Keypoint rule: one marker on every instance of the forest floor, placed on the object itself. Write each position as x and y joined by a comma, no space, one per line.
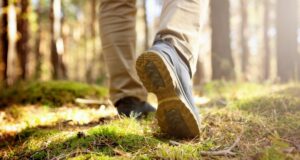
240,121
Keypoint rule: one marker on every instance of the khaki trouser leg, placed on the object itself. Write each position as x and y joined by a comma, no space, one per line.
118,35
180,24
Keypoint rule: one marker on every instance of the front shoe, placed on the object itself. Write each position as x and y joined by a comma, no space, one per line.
164,73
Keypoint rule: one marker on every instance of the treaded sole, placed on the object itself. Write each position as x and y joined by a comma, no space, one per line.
173,114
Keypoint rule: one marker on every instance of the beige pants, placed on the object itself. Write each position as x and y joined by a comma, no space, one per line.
180,24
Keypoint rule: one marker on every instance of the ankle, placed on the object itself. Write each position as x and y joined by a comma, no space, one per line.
174,52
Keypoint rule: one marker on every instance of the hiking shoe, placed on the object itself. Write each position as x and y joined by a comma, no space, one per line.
164,73
132,106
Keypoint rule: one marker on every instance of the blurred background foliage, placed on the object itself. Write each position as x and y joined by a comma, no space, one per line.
241,40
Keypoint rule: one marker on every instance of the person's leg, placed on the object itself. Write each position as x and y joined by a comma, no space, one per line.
166,68
180,24
118,35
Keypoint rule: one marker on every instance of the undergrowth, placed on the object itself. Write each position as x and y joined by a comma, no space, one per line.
266,118
52,93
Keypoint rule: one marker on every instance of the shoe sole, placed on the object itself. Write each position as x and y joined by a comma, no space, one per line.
173,115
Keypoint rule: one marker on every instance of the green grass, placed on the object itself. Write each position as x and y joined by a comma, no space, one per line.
52,93
266,117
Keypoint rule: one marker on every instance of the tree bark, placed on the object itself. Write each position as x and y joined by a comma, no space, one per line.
38,53
266,39
23,30
244,37
198,79
90,66
4,39
93,25
1,30
222,61
57,44
146,25
287,54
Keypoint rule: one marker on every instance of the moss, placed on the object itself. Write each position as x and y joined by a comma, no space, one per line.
52,93
233,90
39,155
102,141
275,151
92,156
177,152
267,105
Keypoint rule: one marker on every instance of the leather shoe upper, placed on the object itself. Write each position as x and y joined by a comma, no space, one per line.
132,106
181,70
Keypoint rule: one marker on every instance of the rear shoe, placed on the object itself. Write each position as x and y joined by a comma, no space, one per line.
132,106
164,73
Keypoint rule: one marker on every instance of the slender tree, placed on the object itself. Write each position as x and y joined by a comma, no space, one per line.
198,79
13,69
4,39
23,41
244,37
146,25
287,54
38,53
266,39
0,41
93,23
222,61
57,44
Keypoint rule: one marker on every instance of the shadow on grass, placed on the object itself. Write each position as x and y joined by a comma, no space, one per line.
280,110
57,127
286,100
110,140
293,91
103,141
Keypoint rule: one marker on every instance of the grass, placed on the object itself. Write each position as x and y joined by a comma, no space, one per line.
51,93
265,117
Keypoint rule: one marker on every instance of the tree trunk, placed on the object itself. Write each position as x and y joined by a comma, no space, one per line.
1,30
38,54
4,40
23,30
13,68
244,37
93,25
90,66
266,39
146,25
222,61
198,79
63,40
57,44
287,56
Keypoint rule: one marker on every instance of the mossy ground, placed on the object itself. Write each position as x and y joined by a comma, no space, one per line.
51,93
265,117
